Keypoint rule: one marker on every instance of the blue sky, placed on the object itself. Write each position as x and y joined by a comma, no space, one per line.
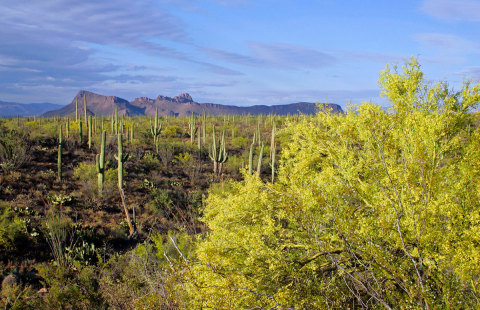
239,52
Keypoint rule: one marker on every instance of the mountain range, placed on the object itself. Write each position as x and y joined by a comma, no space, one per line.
12,109
181,105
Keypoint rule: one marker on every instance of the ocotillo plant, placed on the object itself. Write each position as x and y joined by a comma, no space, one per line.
156,130
100,163
121,159
89,131
59,161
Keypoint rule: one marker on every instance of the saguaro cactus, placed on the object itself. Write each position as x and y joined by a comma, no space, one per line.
76,109
59,161
250,157
67,127
121,159
259,165
272,152
85,107
100,163
89,131
156,130
80,132
218,154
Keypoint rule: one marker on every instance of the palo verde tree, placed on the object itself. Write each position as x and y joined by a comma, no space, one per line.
371,209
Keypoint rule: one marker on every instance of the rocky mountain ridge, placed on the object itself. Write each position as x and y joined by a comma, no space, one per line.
181,105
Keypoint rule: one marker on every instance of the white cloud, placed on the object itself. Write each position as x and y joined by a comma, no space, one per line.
453,10
447,42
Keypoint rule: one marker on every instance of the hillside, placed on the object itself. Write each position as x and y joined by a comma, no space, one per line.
12,109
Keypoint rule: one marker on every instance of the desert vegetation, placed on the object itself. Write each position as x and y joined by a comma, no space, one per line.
364,209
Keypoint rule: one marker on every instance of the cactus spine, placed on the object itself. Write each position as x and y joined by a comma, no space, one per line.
100,163
59,161
156,130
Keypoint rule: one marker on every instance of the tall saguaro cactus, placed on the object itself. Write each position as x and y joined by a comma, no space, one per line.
259,165
272,152
156,129
89,131
218,154
80,131
250,157
121,159
67,127
59,161
100,163
76,109
85,107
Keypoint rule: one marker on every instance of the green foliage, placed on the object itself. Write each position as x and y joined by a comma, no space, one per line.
14,150
11,227
240,142
149,276
370,209
150,161
68,290
172,131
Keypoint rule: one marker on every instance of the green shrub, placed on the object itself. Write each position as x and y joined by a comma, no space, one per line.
172,131
12,227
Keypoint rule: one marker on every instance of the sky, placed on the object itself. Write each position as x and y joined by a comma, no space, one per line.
240,52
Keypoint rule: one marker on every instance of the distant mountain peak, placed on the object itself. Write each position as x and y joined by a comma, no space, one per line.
181,105
183,98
